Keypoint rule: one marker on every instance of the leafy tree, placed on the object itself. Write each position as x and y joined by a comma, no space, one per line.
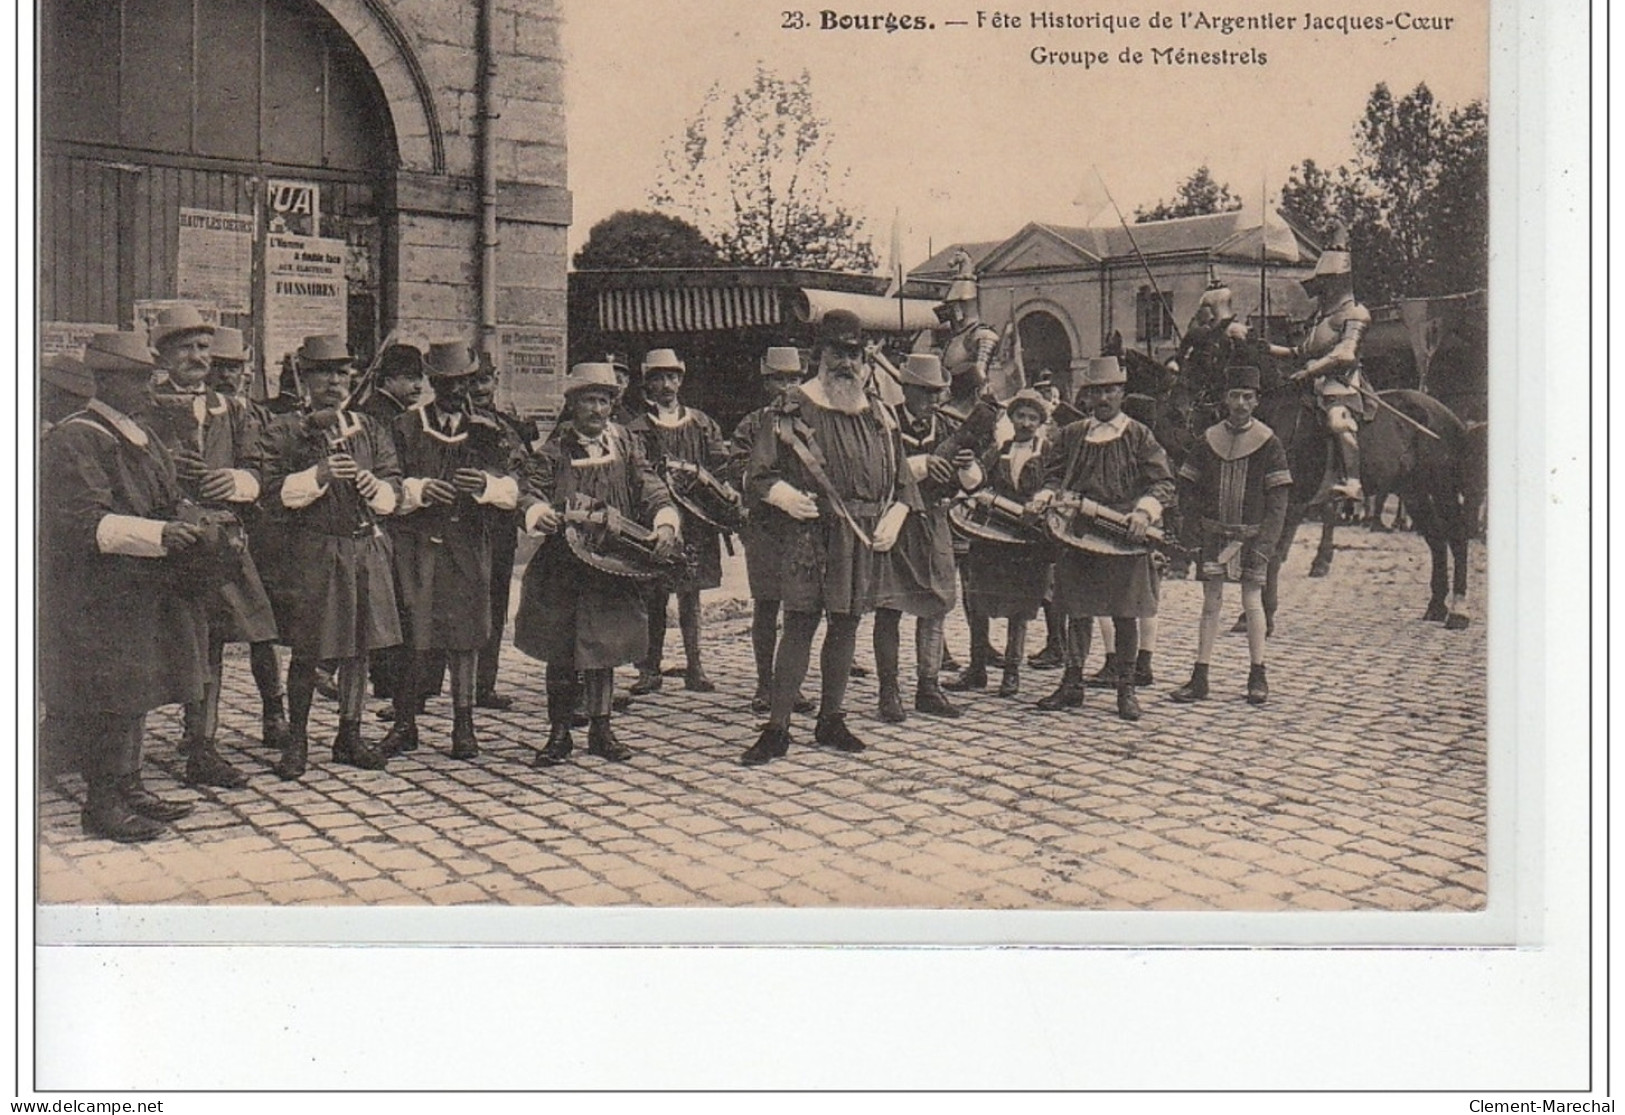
640,238
1196,196
753,171
1415,197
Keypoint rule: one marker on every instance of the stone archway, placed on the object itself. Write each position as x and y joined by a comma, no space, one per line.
388,50
1045,343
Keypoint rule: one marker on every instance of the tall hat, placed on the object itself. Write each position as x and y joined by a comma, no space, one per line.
1027,397
1334,258
924,369
840,327
963,287
400,360
68,373
781,360
322,350
119,352
177,321
228,345
584,377
1242,375
449,360
662,360
1103,371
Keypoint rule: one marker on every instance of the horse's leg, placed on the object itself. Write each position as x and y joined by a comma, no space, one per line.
1428,524
1457,531
1322,564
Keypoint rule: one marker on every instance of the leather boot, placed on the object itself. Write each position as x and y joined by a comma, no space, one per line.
464,744
145,803
1069,694
295,755
974,676
648,681
1128,705
1052,657
559,745
1010,686
1258,687
1194,689
1106,676
891,703
106,814
1143,677
601,742
1348,486
403,733
273,722
351,750
773,743
833,732
932,701
205,767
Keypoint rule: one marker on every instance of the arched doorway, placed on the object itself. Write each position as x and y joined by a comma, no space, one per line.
1045,344
164,124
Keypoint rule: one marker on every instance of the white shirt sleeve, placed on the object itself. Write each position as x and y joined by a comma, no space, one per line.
245,486
670,517
500,491
971,478
383,501
1151,506
412,486
130,536
916,466
300,489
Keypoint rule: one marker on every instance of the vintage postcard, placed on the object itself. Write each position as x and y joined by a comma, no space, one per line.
702,472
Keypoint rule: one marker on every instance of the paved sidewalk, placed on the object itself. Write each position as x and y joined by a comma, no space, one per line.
1359,786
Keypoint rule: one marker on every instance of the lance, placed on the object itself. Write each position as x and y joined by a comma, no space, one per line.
1162,299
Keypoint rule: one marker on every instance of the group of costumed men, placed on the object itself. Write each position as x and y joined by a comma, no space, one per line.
184,516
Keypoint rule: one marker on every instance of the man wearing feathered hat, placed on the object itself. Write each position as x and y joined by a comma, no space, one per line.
675,435
1113,460
333,476
124,625
220,456
1332,355
835,469
1235,484
581,619
764,535
917,576
456,459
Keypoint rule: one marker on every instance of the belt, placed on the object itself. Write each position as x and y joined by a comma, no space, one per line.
867,506
1231,530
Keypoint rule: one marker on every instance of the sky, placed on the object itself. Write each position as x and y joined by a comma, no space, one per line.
957,129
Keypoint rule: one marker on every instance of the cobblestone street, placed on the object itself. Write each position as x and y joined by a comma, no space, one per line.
1361,785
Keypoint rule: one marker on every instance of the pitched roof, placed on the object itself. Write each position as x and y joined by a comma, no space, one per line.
941,265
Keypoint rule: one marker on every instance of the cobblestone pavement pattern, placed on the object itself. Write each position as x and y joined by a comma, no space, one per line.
1359,786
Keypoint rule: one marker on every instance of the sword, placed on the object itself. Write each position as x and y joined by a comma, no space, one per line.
1382,402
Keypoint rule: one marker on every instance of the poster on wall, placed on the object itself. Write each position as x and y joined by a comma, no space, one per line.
214,258
531,363
69,336
148,309
293,207
305,292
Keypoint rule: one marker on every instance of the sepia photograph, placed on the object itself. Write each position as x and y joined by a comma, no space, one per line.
623,458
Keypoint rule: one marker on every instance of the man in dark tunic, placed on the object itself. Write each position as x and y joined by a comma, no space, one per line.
835,465
219,456
332,476
766,529
581,620
456,460
1115,461
674,435
124,626
1235,486
917,575
1009,579
504,531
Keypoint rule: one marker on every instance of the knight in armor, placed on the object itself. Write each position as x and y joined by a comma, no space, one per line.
917,576
331,476
1010,580
219,454
456,461
675,435
1235,486
1115,461
584,619
835,469
1212,342
124,629
766,532
1332,354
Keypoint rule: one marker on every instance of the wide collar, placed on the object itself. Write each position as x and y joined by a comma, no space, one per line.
674,419
1097,432
1231,445
431,426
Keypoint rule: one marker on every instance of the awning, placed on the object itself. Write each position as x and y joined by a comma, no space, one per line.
687,309
873,311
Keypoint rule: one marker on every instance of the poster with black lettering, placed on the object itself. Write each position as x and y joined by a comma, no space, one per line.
984,491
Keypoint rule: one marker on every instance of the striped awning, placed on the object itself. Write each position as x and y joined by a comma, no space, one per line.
687,309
